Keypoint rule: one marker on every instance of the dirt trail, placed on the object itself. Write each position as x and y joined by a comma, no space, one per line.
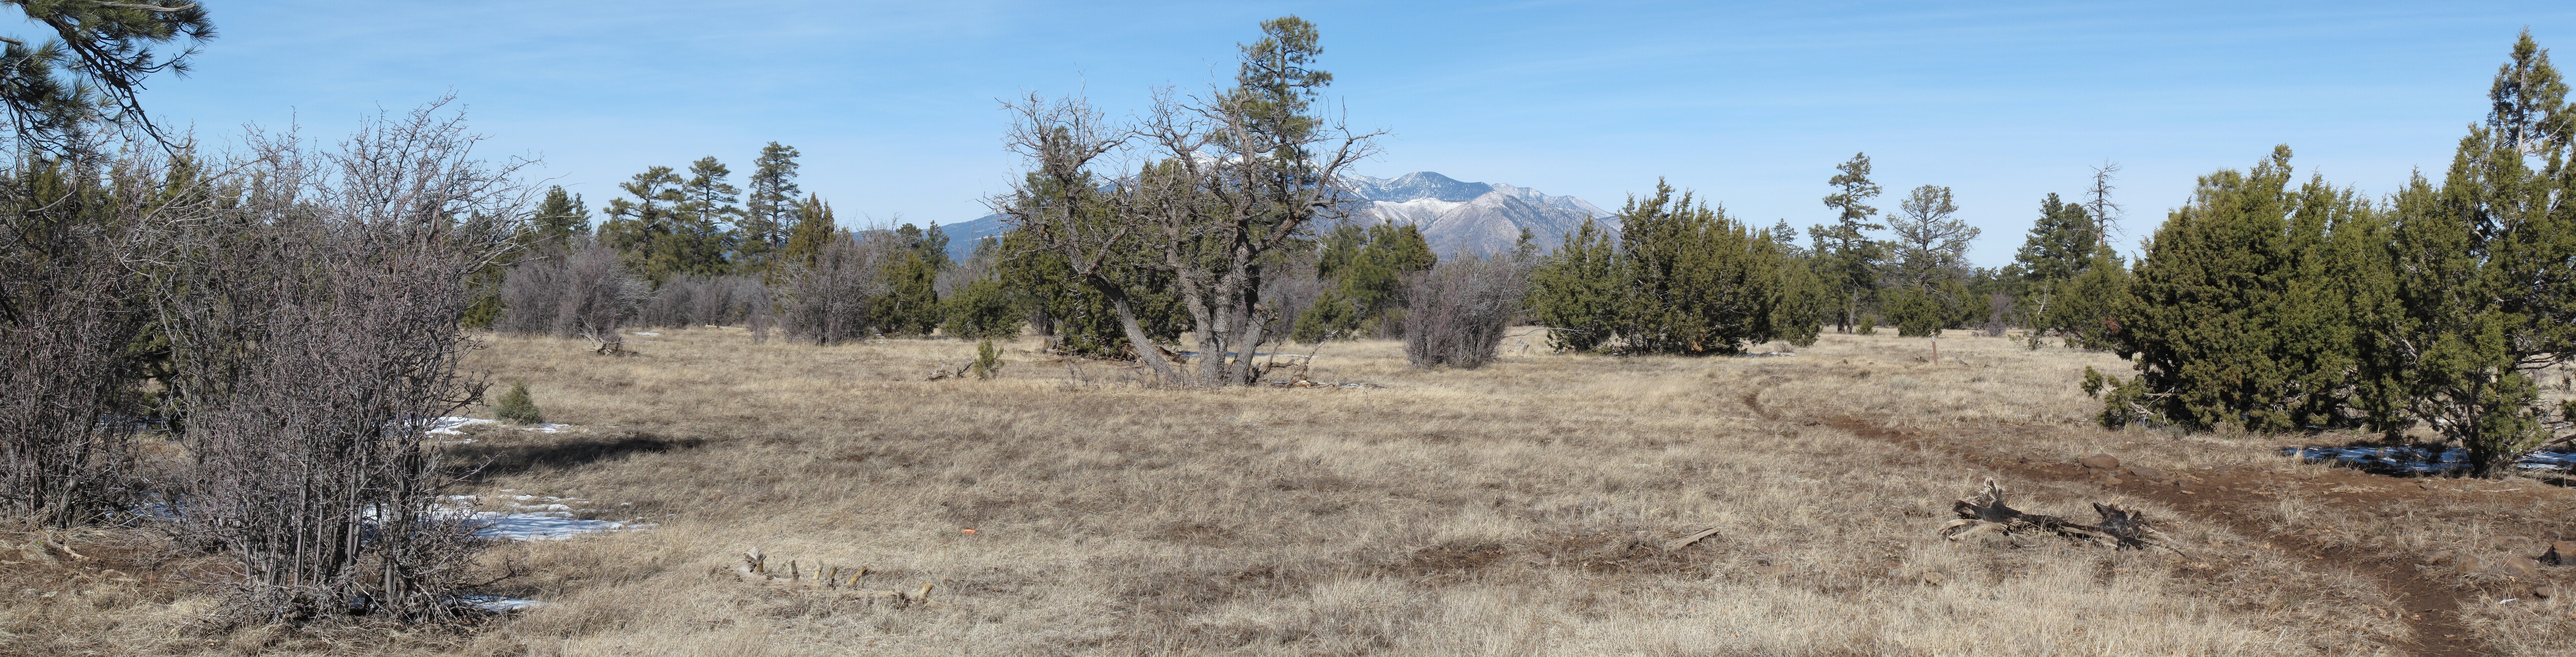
2236,500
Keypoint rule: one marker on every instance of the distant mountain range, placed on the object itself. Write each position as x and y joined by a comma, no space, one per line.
1474,217
1454,216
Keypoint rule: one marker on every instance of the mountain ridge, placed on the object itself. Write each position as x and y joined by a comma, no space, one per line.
1454,216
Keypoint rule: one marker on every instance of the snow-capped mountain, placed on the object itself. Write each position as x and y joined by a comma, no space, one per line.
1473,217
1454,216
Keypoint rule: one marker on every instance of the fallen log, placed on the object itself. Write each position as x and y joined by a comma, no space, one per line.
2121,527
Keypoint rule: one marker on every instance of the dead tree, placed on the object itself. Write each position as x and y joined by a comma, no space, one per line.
2121,527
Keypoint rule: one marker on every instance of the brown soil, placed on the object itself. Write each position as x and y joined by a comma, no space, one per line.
2427,600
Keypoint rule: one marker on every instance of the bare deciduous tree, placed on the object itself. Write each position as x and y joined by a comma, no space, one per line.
71,304
829,303
689,301
582,291
1457,313
318,317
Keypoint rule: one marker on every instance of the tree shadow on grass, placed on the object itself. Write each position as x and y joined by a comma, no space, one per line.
483,461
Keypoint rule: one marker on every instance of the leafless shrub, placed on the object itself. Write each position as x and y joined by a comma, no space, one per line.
981,263
70,306
760,311
1458,311
581,291
1999,309
687,301
1289,291
318,319
828,303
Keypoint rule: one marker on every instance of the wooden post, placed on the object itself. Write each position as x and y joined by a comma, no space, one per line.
1936,350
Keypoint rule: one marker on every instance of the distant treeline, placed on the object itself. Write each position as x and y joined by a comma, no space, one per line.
2260,304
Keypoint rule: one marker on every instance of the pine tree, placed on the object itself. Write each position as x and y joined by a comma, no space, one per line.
2060,247
814,226
549,232
2481,297
2098,207
1697,281
1805,303
516,407
2060,244
982,309
58,93
1575,291
559,218
1851,257
1932,258
702,228
933,245
1364,269
1078,317
769,209
1277,77
988,360
640,227
911,305
1787,239
2234,317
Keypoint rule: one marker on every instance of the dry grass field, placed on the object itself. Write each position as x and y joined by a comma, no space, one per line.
1519,509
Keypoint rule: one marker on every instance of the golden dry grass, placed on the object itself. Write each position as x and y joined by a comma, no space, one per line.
1518,509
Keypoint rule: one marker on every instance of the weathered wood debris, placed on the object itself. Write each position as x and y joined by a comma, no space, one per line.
608,343
958,373
2121,527
840,580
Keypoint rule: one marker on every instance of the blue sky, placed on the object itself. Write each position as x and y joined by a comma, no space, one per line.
895,104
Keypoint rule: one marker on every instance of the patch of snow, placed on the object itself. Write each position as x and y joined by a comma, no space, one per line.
2415,460
448,426
548,518
550,427
543,526
497,604
644,333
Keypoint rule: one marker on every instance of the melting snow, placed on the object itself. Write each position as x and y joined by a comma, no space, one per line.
497,604
531,518
453,426
2414,460
448,426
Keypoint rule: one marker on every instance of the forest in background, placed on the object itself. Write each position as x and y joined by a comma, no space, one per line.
247,347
